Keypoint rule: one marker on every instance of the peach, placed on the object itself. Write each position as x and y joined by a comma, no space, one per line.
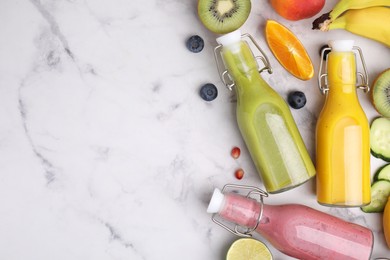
295,10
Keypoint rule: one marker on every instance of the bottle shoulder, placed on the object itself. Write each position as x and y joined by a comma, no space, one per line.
341,108
256,88
249,102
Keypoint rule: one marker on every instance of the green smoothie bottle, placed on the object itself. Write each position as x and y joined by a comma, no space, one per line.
263,117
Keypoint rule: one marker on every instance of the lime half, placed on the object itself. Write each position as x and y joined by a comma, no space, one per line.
248,249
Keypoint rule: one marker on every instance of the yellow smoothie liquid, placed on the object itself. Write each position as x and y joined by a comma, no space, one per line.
266,124
342,138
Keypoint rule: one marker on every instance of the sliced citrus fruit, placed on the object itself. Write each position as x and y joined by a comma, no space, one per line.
288,50
386,222
248,249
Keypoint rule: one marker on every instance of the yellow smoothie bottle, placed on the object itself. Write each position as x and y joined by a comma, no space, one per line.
264,118
342,133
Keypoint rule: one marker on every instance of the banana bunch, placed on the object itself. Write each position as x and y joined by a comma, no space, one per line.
367,18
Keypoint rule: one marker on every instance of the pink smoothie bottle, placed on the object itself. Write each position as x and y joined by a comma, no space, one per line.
295,230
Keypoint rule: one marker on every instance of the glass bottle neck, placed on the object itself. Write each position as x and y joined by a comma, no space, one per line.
241,65
240,210
243,68
341,70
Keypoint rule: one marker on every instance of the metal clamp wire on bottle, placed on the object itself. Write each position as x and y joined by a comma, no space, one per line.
248,231
364,77
323,88
223,72
324,76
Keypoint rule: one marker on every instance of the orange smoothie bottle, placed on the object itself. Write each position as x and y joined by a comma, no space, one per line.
342,133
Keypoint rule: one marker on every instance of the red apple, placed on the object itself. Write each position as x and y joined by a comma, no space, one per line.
295,10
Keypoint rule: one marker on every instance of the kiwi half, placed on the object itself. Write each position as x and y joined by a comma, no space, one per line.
223,16
380,94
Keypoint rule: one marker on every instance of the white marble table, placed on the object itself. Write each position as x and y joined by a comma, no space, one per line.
106,149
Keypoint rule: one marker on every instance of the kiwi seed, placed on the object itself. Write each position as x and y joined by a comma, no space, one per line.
223,16
380,94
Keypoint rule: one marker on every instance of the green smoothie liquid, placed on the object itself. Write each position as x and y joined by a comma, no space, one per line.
266,124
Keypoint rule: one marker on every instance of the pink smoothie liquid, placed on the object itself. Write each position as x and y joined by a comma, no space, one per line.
300,231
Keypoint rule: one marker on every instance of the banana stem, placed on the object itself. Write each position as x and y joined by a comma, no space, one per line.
322,22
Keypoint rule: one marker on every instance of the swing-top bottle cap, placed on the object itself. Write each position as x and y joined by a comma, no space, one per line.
216,201
341,45
230,38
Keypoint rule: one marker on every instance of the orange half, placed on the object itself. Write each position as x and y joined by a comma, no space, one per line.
288,50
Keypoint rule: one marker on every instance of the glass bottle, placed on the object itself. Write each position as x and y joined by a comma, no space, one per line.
264,118
295,230
342,132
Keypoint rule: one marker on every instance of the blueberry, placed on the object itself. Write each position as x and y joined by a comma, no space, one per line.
208,92
326,52
296,99
195,44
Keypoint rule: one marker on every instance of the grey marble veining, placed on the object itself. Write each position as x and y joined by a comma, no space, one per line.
106,149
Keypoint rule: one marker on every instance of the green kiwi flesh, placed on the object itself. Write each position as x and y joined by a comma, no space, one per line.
381,93
223,16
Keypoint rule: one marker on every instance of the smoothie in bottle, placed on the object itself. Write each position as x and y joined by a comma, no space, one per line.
295,230
264,119
342,135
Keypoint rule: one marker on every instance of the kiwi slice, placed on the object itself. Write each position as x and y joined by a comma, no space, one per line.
380,94
223,16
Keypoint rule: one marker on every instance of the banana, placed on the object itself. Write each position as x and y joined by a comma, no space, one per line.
345,5
372,23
